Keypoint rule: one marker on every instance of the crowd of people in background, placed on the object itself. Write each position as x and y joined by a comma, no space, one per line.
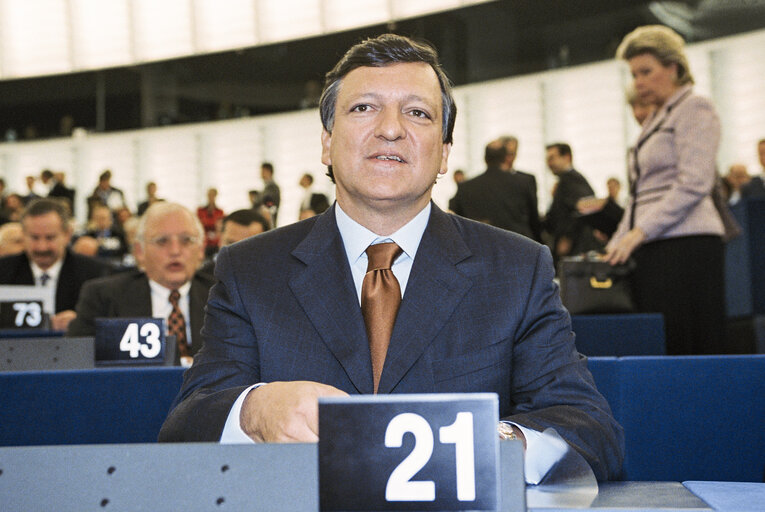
669,212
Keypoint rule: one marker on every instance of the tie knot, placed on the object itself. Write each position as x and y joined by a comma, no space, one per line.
44,278
381,256
174,296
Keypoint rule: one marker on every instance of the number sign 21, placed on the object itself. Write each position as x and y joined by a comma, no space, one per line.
400,452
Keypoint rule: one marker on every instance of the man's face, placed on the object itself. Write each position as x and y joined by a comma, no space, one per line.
761,149
386,145
45,239
102,218
556,162
511,151
233,232
171,250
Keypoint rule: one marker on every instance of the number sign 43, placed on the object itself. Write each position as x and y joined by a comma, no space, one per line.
145,340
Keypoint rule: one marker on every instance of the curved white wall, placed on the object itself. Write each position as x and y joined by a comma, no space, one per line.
583,106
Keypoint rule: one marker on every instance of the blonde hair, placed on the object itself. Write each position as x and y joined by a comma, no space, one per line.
663,43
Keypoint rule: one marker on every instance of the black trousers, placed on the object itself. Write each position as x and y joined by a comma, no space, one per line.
683,278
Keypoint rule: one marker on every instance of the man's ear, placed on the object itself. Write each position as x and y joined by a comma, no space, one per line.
326,143
445,151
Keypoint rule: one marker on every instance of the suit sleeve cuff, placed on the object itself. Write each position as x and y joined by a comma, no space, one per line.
542,452
232,430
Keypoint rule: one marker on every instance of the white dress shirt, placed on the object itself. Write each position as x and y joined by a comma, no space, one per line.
50,285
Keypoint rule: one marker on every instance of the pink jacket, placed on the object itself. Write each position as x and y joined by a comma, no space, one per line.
676,170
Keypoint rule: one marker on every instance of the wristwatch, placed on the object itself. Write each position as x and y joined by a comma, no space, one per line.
506,432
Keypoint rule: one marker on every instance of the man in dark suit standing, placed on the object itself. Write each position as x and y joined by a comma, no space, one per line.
169,248
480,310
47,261
501,196
756,186
570,235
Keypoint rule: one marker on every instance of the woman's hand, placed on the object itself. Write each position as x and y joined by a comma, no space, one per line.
625,246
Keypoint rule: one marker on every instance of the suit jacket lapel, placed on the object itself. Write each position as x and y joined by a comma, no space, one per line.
197,302
435,288
325,290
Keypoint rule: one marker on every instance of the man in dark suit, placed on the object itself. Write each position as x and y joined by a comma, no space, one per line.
169,248
46,260
480,310
59,189
501,196
237,226
570,234
756,186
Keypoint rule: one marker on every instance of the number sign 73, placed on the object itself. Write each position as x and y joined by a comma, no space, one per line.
131,340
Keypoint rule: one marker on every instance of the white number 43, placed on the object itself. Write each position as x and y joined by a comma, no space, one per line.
131,340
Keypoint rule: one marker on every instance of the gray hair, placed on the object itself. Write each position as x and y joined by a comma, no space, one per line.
163,208
663,43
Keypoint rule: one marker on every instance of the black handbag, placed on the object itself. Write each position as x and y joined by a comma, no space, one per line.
589,285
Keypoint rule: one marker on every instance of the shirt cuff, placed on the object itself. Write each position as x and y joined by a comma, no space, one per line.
232,430
542,452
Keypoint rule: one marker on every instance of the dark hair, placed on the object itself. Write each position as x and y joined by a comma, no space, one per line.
495,153
106,175
46,205
562,148
47,174
379,52
267,165
245,218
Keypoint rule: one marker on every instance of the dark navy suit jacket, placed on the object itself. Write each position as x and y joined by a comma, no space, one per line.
75,270
480,314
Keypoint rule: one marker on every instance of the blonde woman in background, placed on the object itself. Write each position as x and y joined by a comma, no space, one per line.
670,225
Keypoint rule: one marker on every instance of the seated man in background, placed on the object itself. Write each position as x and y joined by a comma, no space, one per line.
169,248
47,261
237,226
468,307
109,235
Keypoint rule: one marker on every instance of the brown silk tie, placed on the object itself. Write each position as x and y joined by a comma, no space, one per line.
176,325
380,299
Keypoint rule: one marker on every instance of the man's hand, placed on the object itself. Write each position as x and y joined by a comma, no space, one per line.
285,412
60,321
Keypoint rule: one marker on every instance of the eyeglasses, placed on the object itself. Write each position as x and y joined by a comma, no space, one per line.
164,241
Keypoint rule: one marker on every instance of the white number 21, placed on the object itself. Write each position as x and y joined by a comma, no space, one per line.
400,487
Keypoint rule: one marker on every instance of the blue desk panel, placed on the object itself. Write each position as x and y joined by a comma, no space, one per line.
693,418
639,334
84,407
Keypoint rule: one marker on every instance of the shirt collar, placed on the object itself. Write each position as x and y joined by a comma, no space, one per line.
53,271
164,293
356,238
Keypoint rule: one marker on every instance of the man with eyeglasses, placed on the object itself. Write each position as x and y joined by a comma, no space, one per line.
169,249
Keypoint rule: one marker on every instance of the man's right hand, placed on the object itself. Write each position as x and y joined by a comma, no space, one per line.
285,412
